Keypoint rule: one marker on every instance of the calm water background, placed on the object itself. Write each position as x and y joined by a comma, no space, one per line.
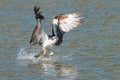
89,52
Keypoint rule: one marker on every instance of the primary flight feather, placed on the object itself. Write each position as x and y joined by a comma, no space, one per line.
62,23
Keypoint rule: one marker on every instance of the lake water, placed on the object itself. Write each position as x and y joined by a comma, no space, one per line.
89,52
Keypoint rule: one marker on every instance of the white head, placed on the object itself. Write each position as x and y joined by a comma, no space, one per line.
53,39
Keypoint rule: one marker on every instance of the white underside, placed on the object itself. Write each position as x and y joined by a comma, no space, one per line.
46,42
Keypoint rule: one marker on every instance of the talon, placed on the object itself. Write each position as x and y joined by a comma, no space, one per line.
46,56
52,53
36,56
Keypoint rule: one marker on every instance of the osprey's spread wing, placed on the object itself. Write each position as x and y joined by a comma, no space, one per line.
65,23
38,13
37,32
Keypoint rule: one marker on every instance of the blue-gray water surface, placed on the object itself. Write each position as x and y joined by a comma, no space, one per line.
88,52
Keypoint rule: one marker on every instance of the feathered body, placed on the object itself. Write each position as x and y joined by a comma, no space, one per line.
61,24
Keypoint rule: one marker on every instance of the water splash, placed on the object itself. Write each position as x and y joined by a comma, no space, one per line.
26,56
50,65
23,54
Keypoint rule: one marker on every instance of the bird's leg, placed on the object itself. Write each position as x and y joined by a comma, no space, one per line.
44,53
39,54
52,52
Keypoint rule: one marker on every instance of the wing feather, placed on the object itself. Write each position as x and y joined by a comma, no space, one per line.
38,35
65,23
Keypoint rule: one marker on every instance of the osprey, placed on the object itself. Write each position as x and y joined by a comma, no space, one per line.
62,23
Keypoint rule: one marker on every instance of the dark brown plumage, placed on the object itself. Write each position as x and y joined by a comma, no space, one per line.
38,13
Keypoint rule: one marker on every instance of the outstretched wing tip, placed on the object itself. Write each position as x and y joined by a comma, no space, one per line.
67,22
38,13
